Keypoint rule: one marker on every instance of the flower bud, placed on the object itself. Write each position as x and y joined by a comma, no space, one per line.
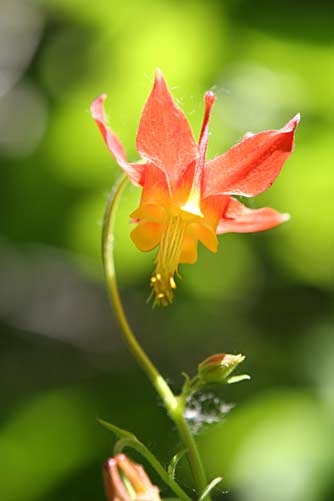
217,368
127,481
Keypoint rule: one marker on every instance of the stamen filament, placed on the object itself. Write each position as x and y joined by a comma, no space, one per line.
167,261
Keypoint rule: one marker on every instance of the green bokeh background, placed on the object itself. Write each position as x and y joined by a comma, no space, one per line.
267,295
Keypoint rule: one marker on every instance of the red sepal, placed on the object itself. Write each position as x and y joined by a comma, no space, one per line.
164,137
135,171
240,219
250,167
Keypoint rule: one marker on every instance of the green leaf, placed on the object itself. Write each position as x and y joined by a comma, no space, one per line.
128,439
210,488
119,432
172,465
237,379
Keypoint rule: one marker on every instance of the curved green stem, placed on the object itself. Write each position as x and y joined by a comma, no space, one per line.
109,267
138,446
174,406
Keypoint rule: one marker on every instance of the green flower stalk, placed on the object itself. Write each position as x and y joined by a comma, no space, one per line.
174,405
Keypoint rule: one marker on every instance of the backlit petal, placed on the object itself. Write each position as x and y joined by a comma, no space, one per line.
149,212
213,208
189,250
147,236
135,171
164,136
155,187
204,235
240,219
184,185
250,167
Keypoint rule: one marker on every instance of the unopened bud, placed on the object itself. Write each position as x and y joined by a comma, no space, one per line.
127,481
217,368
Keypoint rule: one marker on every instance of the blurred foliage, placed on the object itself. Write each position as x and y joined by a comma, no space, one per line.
266,295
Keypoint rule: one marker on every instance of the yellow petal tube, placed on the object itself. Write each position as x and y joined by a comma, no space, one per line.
179,236
147,236
177,231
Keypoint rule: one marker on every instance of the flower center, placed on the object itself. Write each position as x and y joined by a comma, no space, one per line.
167,260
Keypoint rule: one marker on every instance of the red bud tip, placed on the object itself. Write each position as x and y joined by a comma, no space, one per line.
218,367
121,474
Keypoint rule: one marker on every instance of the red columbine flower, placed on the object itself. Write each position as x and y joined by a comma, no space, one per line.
127,481
185,198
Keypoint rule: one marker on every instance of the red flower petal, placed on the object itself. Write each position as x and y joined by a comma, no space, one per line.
164,136
250,167
240,219
135,171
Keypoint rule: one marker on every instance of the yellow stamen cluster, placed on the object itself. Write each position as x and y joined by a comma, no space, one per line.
167,261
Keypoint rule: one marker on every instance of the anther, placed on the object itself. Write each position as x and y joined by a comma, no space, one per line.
172,283
162,281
